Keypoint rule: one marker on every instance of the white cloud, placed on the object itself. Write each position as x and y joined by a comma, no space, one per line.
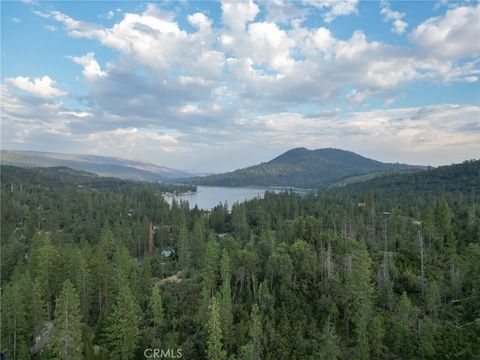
335,8
452,36
91,68
270,45
200,21
127,138
15,20
43,87
216,79
265,61
471,79
283,11
356,97
154,40
437,134
399,26
235,14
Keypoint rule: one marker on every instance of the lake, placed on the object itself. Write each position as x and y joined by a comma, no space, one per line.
207,197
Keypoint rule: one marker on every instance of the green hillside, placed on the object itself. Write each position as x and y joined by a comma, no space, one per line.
462,177
302,168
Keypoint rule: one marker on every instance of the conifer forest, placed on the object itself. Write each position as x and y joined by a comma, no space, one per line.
101,268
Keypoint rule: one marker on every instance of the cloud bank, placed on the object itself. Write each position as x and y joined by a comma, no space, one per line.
250,80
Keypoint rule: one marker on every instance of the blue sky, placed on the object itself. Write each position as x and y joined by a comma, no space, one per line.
214,86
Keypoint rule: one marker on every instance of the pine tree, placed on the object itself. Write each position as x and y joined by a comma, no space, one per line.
443,217
150,239
101,282
239,222
46,265
215,349
246,352
432,300
66,337
14,318
361,290
377,333
106,239
197,243
226,298
78,273
156,309
38,308
403,328
182,246
327,348
123,331
426,338
256,332
145,283
210,267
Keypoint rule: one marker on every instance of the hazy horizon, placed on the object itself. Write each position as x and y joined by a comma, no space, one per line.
208,171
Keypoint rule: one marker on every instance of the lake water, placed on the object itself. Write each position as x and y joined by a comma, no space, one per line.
207,197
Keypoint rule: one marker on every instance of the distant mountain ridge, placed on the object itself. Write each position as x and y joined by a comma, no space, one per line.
99,165
301,167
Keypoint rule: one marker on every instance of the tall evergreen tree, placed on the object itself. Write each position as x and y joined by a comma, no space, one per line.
226,309
101,282
197,243
327,345
377,333
123,331
361,291
66,337
210,266
432,300
38,310
403,328
256,332
182,246
239,222
14,319
46,265
156,309
215,349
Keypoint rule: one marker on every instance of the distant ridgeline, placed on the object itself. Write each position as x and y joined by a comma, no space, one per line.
302,168
100,165
62,176
370,268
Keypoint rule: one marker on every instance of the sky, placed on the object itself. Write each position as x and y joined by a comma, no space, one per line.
216,86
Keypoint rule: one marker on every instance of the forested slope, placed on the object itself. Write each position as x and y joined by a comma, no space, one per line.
302,168
320,276
452,178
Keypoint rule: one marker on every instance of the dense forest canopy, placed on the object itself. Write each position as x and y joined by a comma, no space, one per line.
98,268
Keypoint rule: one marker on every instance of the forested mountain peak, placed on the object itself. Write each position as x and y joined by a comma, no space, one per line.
325,154
301,167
